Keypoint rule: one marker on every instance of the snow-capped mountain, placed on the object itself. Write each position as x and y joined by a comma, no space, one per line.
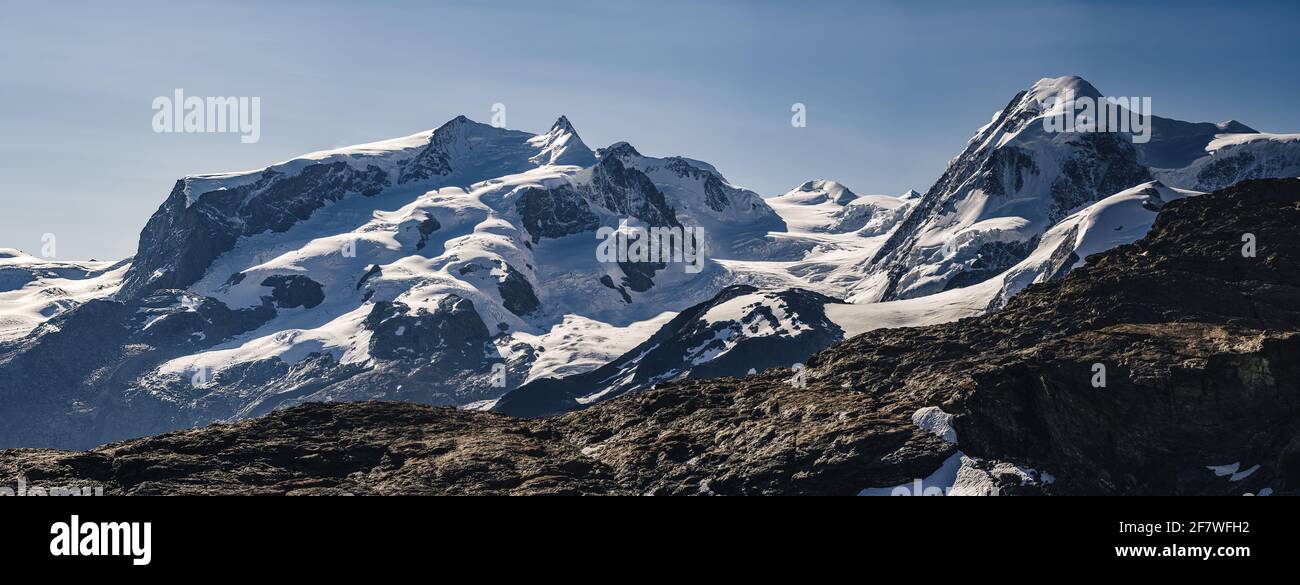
1016,179
445,267
824,206
460,264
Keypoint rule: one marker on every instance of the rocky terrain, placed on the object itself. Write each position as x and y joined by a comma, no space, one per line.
1198,341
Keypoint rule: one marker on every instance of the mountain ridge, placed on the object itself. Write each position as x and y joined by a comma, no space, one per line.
456,265
1187,327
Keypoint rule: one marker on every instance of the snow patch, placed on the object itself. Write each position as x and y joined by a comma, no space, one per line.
935,421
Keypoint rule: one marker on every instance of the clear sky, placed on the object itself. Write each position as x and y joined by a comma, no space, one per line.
893,89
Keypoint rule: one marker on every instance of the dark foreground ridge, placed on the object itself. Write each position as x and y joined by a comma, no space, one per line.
1201,347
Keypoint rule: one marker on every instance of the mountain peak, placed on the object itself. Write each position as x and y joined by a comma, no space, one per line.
1049,87
618,149
457,121
456,125
562,124
1235,127
561,146
819,191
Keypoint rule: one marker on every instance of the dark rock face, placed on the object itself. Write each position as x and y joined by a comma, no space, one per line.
622,290
182,239
434,160
555,213
991,260
629,192
516,292
671,352
291,292
375,270
1101,164
717,195
1064,257
639,276
400,333
1199,344
427,227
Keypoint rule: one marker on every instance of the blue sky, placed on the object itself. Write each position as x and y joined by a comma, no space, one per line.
893,89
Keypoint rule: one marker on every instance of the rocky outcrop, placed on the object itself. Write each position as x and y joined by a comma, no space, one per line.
1201,395
400,333
191,230
294,291
630,193
554,213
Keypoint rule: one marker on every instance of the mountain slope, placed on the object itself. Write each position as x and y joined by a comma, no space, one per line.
1198,341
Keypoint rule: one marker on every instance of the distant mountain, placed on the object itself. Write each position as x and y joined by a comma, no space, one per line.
34,290
1232,158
